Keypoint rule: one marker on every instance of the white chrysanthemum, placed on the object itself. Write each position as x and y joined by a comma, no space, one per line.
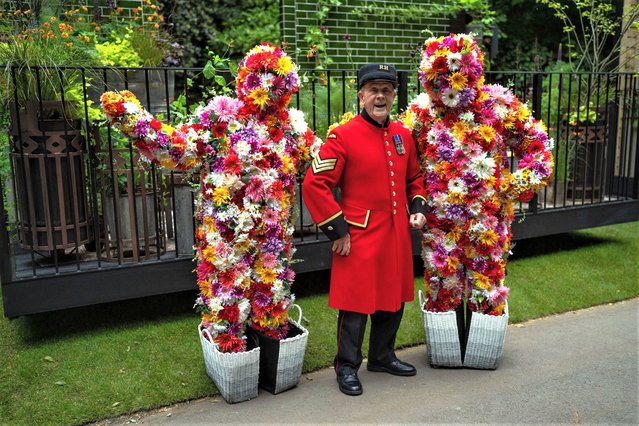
457,143
534,178
296,118
501,110
278,290
478,228
215,305
234,126
423,101
482,166
450,98
243,150
550,143
440,199
449,243
267,80
431,137
131,108
474,208
454,61
467,117
245,310
315,148
244,222
457,185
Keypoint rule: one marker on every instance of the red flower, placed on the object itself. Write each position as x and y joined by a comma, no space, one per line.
230,313
230,343
219,130
276,134
155,124
232,163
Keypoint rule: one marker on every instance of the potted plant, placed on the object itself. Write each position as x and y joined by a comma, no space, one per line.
40,96
594,33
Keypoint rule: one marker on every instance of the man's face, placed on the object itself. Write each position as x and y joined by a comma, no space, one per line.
377,98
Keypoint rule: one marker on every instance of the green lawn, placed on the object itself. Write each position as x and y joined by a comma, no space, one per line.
87,364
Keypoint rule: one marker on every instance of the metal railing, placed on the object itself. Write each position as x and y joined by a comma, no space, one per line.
82,211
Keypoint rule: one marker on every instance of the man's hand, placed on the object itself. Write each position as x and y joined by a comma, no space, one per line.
343,245
417,220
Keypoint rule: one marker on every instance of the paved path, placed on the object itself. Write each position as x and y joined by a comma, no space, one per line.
575,368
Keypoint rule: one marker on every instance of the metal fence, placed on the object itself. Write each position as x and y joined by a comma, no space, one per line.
87,221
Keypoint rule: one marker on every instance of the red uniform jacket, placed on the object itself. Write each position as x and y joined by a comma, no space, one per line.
377,171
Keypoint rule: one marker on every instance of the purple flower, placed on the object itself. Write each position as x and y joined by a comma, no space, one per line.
141,128
457,212
261,299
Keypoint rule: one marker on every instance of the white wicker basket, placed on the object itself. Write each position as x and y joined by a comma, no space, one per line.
442,337
486,338
281,360
235,374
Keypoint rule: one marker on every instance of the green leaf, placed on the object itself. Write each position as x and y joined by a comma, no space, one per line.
209,71
49,359
220,80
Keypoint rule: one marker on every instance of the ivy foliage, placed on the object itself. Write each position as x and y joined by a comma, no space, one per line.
228,27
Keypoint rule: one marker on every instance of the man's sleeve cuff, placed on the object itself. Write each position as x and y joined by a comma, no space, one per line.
335,227
418,205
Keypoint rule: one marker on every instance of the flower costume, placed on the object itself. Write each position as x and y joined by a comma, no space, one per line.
249,152
464,130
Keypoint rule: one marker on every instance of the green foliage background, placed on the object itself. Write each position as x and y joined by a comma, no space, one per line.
226,27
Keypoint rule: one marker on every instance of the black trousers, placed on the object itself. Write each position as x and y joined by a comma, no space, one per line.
351,327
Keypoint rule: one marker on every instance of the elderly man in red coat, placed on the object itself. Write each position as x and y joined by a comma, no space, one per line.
374,162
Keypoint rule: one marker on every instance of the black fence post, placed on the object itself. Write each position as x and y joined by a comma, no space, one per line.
536,95
402,90
6,272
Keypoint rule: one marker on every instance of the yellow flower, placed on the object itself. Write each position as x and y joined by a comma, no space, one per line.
221,195
209,222
267,275
284,65
455,197
499,309
488,238
209,254
523,113
455,233
452,262
430,73
53,19
459,129
260,97
481,280
486,132
458,80
287,164
440,168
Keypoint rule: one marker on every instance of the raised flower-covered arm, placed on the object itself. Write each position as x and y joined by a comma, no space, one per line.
529,142
250,150
173,148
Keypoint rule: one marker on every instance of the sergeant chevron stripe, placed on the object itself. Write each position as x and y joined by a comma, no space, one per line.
325,165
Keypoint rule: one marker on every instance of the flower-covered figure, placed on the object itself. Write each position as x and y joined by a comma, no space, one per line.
465,131
249,152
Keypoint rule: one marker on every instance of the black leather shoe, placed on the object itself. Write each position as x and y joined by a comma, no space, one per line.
397,367
349,384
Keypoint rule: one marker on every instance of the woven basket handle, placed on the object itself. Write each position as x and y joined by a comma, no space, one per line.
421,298
206,333
299,311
